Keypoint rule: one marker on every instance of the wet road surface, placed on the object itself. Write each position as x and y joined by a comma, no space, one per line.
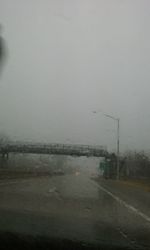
72,206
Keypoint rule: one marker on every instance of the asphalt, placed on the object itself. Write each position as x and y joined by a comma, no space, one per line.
76,206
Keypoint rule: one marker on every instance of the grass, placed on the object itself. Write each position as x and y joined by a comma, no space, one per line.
144,183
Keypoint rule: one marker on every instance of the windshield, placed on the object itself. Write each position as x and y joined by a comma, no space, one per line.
74,120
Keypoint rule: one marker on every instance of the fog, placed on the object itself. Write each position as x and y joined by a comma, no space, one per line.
67,58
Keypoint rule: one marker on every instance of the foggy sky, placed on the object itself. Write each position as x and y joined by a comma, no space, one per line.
70,57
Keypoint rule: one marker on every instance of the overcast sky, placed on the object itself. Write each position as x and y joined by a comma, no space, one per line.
67,58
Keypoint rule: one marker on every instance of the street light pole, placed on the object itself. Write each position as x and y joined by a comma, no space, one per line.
118,143
118,147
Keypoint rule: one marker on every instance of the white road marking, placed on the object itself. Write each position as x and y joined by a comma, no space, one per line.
128,206
122,233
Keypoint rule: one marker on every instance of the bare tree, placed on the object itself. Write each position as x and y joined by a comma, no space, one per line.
137,164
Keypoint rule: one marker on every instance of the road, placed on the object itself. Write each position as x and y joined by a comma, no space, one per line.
75,206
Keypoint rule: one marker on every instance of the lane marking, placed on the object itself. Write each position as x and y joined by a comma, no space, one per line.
132,241
128,206
122,233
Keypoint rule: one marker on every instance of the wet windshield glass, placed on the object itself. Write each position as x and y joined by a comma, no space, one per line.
74,120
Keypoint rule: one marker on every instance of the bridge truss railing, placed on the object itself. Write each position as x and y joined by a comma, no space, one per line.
54,148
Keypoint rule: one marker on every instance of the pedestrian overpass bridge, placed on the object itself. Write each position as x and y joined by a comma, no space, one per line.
53,148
